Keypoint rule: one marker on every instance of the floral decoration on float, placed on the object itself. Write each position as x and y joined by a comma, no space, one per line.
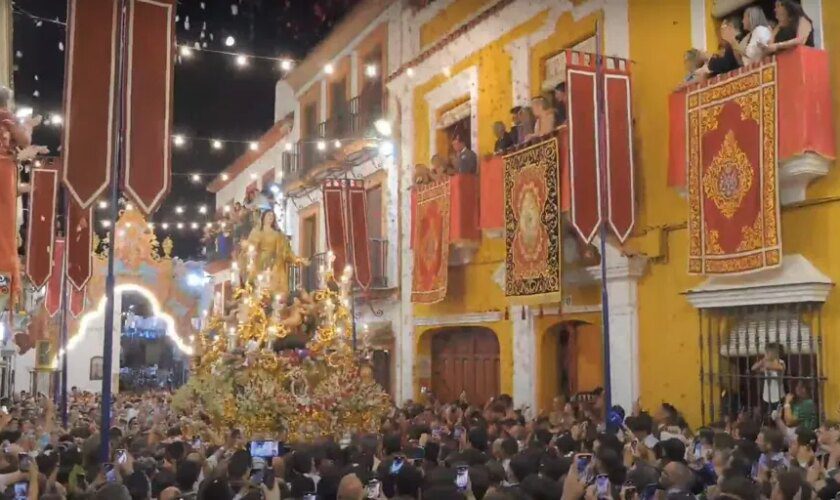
284,366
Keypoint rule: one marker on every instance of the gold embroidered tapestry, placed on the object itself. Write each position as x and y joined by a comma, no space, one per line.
431,243
733,195
532,224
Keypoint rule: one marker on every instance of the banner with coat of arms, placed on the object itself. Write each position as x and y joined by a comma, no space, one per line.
734,218
431,243
532,224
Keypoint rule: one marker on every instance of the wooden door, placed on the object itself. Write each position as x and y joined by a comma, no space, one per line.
465,359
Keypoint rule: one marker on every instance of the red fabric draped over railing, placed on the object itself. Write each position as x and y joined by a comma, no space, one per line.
804,100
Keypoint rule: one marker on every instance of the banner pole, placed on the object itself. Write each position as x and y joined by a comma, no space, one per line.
65,299
110,280
600,120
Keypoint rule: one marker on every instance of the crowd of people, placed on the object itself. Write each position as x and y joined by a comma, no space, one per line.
546,112
427,449
748,38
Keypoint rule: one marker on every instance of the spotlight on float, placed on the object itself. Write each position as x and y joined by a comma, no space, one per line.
383,127
386,148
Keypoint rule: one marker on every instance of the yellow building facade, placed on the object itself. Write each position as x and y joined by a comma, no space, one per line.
486,56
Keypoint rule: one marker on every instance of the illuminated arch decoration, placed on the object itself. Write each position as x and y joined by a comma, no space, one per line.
99,312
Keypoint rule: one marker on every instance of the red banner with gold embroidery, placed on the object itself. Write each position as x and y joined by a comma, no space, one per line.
431,243
532,224
734,221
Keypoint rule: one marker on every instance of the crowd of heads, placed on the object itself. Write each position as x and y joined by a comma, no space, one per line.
426,449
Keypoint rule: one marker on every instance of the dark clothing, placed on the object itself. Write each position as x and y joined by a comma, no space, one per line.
559,114
466,162
503,143
786,33
513,133
719,64
470,456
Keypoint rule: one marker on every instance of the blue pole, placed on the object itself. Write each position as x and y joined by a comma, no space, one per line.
110,280
601,122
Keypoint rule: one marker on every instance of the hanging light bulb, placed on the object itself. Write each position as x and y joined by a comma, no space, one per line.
241,60
254,145
196,178
194,225
103,205
178,140
321,145
106,223
180,225
186,52
286,64
179,209
225,177
410,72
287,146
165,225
371,70
230,41
337,144
217,144
329,68
202,209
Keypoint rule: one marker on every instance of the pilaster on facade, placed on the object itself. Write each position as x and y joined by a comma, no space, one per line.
623,273
404,336
524,358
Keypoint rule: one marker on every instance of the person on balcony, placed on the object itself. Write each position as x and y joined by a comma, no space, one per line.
794,29
560,104
503,139
693,60
440,168
465,160
514,129
527,121
545,117
725,61
751,49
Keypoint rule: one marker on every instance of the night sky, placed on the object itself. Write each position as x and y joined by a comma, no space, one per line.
213,97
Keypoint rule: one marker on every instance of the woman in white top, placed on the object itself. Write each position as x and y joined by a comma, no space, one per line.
752,48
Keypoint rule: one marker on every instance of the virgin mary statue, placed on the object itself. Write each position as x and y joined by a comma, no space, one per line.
273,253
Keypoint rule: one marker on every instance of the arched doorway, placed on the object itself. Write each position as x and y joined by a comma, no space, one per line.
465,359
570,361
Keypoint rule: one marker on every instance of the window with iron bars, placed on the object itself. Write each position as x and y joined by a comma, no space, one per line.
732,340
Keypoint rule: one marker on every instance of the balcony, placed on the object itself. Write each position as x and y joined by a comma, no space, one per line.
378,249
805,138
491,189
308,277
464,231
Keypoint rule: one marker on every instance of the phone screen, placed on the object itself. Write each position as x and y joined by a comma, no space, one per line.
373,489
602,486
110,473
22,490
396,465
582,461
462,478
121,456
264,449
